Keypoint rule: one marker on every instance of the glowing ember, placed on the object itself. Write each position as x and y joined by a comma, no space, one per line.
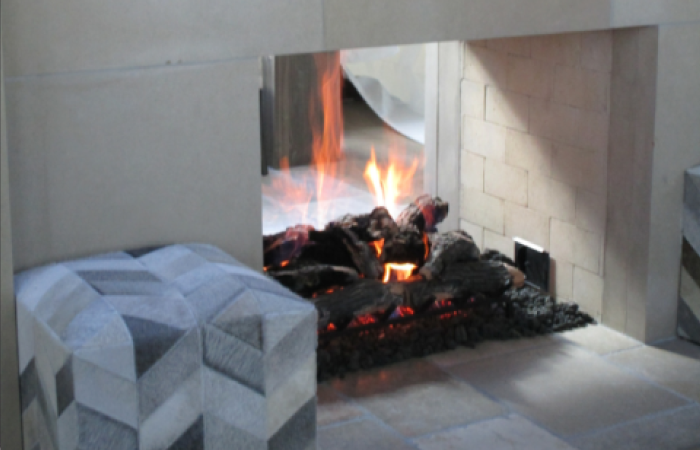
386,185
403,311
398,272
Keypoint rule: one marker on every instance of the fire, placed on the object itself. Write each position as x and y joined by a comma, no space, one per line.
403,311
377,246
386,185
400,271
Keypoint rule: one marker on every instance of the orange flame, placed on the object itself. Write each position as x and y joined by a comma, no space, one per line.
403,311
386,185
399,271
377,246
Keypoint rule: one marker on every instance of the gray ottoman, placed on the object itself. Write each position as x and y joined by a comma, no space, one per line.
179,347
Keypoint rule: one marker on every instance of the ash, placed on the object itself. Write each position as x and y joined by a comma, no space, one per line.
520,313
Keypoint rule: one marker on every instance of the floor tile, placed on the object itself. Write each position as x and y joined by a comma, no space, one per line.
566,389
675,365
503,433
332,408
677,430
488,349
364,434
599,339
416,397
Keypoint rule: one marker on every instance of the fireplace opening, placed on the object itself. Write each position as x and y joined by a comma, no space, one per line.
348,226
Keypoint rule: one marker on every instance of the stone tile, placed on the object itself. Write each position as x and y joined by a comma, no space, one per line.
566,389
504,433
473,95
587,250
582,88
506,182
417,397
511,46
599,339
675,365
475,231
562,280
362,434
527,224
579,168
551,197
488,350
530,77
483,138
528,152
503,244
562,237
332,408
485,66
553,121
562,49
596,50
674,430
590,211
588,292
472,171
592,131
506,108
482,209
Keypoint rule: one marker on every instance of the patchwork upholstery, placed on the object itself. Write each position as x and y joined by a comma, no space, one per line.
179,347
689,301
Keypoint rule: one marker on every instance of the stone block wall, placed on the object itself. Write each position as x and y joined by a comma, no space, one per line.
535,115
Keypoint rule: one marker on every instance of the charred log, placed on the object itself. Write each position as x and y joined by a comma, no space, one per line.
460,281
308,280
447,249
424,213
359,299
408,245
368,227
339,246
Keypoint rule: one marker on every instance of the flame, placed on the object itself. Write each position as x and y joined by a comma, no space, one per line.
386,185
377,246
400,271
426,242
403,311
327,139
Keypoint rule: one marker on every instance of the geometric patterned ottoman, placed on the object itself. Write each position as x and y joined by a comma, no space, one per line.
179,347
689,299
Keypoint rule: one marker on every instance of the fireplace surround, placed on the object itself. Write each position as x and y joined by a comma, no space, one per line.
113,116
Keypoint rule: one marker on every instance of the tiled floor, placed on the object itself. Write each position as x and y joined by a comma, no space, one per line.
349,191
587,389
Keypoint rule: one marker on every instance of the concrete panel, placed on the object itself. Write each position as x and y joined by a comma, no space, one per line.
10,418
45,36
364,23
677,148
122,159
630,13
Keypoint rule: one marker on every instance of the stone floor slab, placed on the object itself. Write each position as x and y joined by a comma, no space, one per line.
598,339
416,397
332,407
566,389
677,430
360,435
488,349
675,365
503,433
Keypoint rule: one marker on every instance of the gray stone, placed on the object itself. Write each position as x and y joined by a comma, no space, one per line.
361,434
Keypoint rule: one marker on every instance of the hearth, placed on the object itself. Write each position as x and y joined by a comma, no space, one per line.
388,290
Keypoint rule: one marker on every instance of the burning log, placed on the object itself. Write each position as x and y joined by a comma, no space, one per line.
424,213
449,248
286,245
459,282
310,279
407,245
359,299
368,227
338,246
